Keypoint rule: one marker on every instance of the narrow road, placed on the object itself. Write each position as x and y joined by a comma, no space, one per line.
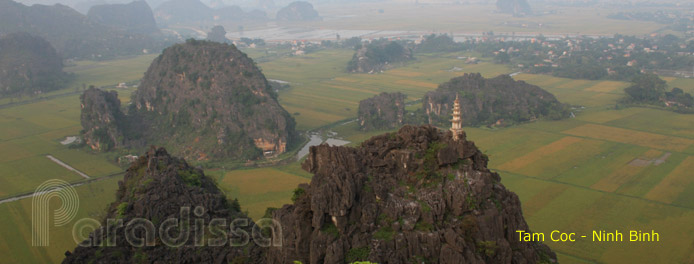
68,167
32,194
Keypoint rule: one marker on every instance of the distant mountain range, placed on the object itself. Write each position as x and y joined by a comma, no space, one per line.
72,34
187,11
135,17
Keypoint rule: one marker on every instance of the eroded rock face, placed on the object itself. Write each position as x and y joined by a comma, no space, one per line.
384,111
208,99
102,119
155,188
411,195
497,101
205,101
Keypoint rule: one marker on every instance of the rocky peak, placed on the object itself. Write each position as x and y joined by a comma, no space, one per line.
383,111
157,188
102,119
412,195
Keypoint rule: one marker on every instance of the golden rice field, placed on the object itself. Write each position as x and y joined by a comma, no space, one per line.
674,183
631,137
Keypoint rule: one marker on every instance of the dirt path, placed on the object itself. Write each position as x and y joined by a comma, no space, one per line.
32,194
68,166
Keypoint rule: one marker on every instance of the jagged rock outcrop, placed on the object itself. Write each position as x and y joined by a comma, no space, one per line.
384,111
135,17
102,120
29,65
188,217
515,7
412,195
377,56
298,11
496,101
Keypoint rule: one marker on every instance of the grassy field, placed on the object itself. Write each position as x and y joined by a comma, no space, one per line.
15,244
578,182
258,189
34,129
322,92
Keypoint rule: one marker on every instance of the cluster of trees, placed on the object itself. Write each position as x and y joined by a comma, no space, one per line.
617,58
377,55
438,43
650,89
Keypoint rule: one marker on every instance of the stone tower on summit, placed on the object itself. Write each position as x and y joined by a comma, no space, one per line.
457,121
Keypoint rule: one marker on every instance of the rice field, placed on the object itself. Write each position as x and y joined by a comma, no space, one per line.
322,92
258,189
674,183
629,136
15,244
593,172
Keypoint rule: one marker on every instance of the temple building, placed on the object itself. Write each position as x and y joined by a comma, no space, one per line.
457,121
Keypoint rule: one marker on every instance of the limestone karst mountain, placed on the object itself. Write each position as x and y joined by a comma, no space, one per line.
102,119
207,101
383,111
298,11
416,194
134,17
29,65
155,189
496,101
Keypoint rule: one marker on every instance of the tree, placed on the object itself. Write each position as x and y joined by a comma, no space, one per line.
646,88
502,57
217,34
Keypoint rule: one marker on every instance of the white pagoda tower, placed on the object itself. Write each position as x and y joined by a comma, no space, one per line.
457,121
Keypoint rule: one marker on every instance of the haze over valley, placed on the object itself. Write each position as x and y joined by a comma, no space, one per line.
337,131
